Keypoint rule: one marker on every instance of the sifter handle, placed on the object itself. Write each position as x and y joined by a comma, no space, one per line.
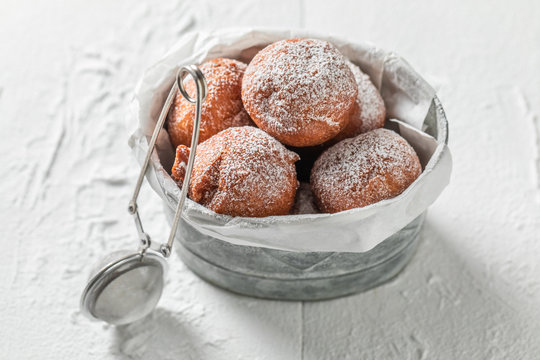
202,90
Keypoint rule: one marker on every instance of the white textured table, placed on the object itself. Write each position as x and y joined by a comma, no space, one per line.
472,290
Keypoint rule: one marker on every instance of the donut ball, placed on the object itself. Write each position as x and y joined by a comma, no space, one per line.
241,171
222,108
305,201
300,91
369,111
363,170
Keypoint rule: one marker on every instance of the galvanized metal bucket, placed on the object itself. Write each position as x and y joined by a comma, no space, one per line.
287,275
264,272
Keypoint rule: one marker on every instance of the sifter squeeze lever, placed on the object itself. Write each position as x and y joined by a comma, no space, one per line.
126,286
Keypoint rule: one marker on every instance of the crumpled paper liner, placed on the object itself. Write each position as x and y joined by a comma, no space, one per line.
406,95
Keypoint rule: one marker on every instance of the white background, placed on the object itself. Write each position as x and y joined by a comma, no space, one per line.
68,70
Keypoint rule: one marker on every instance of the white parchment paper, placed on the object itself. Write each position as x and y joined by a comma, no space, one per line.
406,95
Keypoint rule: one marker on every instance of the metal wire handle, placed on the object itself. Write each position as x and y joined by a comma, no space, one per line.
178,85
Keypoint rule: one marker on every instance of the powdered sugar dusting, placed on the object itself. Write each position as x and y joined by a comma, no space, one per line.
295,86
223,107
369,110
363,170
243,171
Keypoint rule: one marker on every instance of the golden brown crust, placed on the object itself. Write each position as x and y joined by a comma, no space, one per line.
369,111
222,108
241,171
180,162
363,170
300,91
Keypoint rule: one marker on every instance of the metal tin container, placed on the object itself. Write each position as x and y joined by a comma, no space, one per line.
297,258
286,275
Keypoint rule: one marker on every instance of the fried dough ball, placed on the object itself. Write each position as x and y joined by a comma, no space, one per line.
222,108
241,171
369,110
363,170
300,91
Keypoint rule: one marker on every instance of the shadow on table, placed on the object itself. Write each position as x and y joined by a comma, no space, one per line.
206,322
437,308
161,335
